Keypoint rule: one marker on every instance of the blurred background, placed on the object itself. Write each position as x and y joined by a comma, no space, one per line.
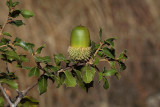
136,24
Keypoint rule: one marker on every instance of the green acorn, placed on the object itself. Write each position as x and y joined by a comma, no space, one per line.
80,44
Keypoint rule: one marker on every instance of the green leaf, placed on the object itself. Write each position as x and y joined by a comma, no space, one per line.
42,84
122,65
110,41
58,58
112,64
23,58
100,53
100,76
26,67
16,23
93,46
11,83
27,13
109,72
96,61
53,68
34,71
118,76
12,55
9,4
28,101
38,51
106,84
26,46
100,34
108,52
123,55
1,101
79,80
15,3
8,76
70,81
45,59
4,41
88,74
15,13
58,80
7,34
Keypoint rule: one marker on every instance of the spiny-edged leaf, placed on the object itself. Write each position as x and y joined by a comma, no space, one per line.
100,34
34,71
53,68
42,84
15,3
123,55
45,59
16,23
38,51
100,76
88,74
70,81
106,84
110,41
109,72
4,41
122,65
79,79
108,52
26,46
28,101
58,58
23,58
118,76
27,13
10,83
7,34
1,102
15,13
96,61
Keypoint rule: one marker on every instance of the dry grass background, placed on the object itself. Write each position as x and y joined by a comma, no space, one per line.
136,24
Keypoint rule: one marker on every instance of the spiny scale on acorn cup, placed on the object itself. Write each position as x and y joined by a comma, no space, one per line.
80,44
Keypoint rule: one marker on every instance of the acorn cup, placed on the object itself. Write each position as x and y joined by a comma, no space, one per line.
80,44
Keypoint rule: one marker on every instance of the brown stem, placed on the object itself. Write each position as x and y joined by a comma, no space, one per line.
101,44
6,97
23,93
1,32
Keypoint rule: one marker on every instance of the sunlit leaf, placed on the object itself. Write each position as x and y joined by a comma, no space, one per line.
88,74
7,34
70,81
10,83
27,13
109,72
